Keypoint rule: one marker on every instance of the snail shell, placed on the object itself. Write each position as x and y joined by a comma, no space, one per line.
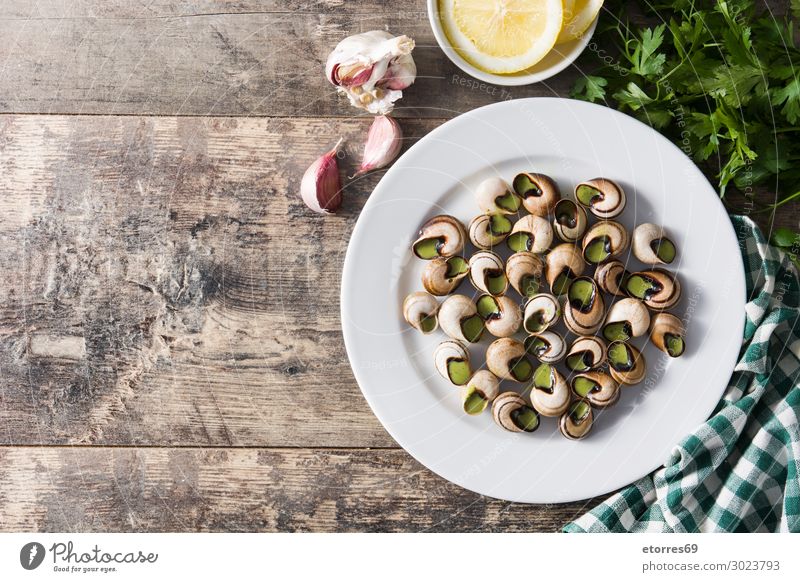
419,310
603,197
501,315
596,387
479,392
659,289
651,246
570,221
452,362
506,359
541,311
531,233
489,230
539,192
585,353
442,275
577,422
441,236
626,363
584,308
524,271
550,393
458,318
610,277
511,412
627,318
667,334
495,197
487,273
547,346
603,241
562,265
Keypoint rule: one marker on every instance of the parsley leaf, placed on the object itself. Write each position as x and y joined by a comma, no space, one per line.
720,79
589,88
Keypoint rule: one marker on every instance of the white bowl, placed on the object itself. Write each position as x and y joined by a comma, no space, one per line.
558,59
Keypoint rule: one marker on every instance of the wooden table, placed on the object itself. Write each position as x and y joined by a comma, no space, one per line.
171,355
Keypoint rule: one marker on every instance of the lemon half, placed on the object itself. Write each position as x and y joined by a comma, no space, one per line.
578,16
502,36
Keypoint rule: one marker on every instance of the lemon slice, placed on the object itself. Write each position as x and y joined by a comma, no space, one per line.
502,36
578,16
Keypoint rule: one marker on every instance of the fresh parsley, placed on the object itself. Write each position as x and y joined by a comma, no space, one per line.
721,79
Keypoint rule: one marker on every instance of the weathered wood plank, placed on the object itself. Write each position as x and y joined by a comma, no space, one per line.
143,9
128,489
164,284
200,58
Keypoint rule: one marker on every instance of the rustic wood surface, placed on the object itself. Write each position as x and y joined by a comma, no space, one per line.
170,347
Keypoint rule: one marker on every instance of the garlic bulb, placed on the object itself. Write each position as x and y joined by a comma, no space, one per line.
384,140
372,69
321,187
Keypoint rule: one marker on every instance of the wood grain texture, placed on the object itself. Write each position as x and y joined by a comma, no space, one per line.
139,490
216,58
164,284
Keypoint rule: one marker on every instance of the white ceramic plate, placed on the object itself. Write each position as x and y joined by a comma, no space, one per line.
559,58
393,364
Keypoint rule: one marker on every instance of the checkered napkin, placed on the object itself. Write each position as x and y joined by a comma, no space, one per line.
738,471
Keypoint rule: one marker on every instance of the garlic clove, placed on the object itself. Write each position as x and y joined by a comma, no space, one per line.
384,141
321,187
372,69
401,73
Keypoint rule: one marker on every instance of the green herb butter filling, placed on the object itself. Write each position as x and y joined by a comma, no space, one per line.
428,248
579,362
525,187
583,386
561,283
543,376
529,285
488,307
459,372
642,287
456,266
427,323
521,369
474,402
499,224
675,345
581,294
588,195
496,282
579,411
617,331
536,346
620,357
520,241
472,328
508,201
664,249
525,418
598,250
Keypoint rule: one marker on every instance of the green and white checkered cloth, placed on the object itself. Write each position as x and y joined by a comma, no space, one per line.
738,472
